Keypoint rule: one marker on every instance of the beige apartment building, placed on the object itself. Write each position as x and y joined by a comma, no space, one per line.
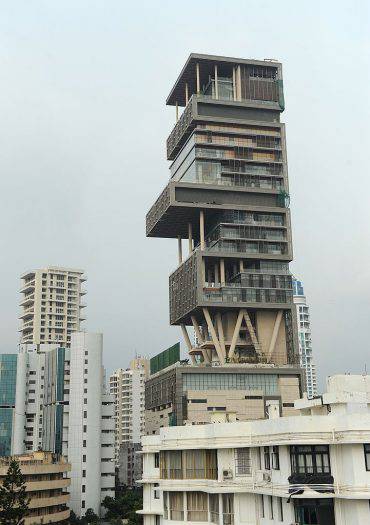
46,477
128,388
51,305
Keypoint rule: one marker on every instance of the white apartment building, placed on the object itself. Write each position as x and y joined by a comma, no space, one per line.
51,305
61,406
304,337
308,469
128,388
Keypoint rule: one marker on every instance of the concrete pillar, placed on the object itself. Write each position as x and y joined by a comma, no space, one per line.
179,244
234,84
216,273
241,265
198,78
216,81
201,230
238,83
190,231
186,93
222,272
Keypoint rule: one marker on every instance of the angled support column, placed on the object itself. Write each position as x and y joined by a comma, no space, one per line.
251,331
186,93
274,335
234,339
220,331
187,341
215,340
200,338
198,78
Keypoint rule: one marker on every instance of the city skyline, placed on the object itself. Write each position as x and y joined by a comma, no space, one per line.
66,155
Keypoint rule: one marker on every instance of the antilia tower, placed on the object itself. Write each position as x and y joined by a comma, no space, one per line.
228,201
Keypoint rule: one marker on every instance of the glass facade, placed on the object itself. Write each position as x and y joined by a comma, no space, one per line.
268,383
6,425
8,378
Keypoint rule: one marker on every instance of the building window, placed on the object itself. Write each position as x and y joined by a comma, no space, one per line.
214,511
310,459
83,504
262,506
197,506
156,460
271,507
243,461
367,455
176,506
83,488
275,458
156,492
266,455
280,509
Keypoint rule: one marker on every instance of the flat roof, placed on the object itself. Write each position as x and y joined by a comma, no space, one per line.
206,68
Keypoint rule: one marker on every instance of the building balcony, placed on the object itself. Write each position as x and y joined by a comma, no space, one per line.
27,312
202,107
180,203
54,517
189,293
27,300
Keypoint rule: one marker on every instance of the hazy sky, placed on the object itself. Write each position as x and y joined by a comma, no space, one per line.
83,125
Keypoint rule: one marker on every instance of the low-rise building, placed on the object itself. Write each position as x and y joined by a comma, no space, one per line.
47,482
312,468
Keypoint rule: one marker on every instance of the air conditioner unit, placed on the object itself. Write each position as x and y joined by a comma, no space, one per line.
227,474
266,477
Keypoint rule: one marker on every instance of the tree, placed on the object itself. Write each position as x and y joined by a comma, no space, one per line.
125,506
13,498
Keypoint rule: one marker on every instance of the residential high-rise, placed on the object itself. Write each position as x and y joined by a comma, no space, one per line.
8,374
90,439
51,305
128,388
304,337
62,406
228,196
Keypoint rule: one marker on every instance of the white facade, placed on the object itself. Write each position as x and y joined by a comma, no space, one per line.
304,337
51,305
61,405
311,468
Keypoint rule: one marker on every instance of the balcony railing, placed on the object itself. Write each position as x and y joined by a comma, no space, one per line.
240,246
247,295
228,518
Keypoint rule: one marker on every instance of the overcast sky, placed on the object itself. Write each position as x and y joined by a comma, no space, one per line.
83,125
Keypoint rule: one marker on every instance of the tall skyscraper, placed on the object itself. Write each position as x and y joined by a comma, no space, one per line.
304,337
62,406
228,197
51,305
128,388
8,374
